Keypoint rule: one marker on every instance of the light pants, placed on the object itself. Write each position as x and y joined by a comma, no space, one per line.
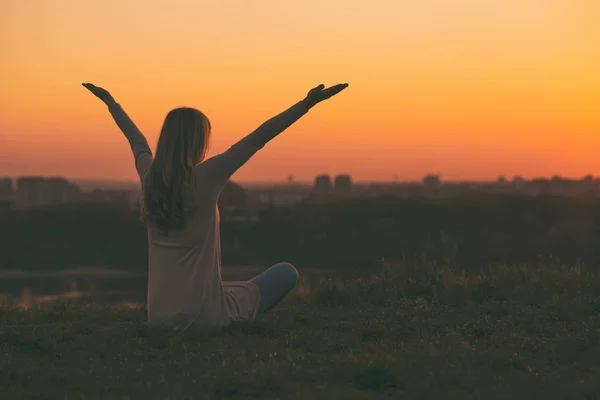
275,283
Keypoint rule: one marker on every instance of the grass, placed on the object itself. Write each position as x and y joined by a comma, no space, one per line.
408,332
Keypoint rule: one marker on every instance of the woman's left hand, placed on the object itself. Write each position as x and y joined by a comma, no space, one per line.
319,93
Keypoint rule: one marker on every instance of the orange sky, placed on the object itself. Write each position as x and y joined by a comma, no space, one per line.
470,89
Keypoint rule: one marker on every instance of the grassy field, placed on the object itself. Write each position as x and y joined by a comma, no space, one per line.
408,332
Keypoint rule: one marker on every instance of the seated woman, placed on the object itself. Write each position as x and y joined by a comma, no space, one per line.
180,193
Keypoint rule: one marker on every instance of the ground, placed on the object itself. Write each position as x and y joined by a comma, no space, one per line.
408,332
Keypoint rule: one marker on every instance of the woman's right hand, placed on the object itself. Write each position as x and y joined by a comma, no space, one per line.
319,93
99,92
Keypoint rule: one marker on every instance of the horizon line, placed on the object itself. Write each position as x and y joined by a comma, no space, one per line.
283,181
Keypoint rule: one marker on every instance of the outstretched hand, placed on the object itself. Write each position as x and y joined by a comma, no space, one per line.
99,92
319,93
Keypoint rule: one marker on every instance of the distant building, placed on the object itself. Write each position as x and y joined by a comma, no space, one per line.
30,191
60,190
7,192
343,183
34,191
322,183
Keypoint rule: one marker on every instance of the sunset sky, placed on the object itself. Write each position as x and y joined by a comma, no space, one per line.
471,89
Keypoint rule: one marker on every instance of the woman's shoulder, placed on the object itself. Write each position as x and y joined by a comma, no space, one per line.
207,174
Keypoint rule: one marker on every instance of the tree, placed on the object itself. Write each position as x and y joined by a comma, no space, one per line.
431,180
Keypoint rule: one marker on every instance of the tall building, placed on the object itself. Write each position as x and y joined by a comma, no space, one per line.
30,191
7,192
34,191
343,183
59,190
322,183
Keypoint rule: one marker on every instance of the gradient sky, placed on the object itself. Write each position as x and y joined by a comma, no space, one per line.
471,89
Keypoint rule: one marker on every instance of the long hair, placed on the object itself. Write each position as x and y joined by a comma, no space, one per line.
183,143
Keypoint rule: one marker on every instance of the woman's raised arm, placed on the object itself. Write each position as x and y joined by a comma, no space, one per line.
139,145
220,167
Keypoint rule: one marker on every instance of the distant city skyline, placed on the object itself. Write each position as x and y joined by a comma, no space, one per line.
90,183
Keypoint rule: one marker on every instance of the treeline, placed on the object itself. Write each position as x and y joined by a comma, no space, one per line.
72,235
465,232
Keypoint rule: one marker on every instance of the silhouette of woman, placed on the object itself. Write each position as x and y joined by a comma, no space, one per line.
180,193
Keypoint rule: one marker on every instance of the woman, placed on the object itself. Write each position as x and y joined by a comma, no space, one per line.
179,207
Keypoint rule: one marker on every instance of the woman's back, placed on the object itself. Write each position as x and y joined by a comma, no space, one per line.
184,275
